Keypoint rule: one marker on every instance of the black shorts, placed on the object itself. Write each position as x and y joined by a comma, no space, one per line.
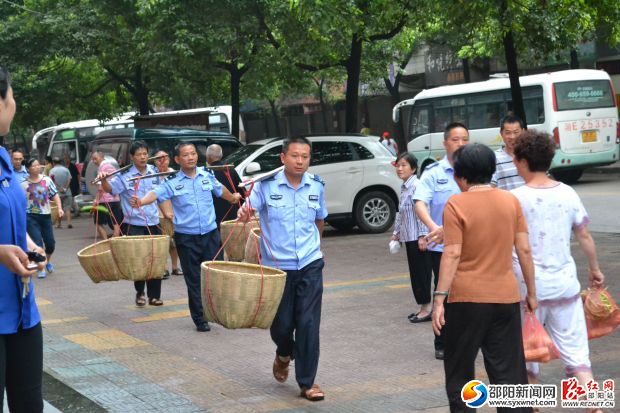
115,215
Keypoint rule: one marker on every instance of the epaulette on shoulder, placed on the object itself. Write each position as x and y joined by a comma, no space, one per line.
271,178
318,179
434,164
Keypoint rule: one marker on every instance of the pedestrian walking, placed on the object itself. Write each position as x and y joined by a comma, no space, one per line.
143,222
61,176
553,211
195,232
410,230
292,214
75,181
436,186
477,280
21,336
17,159
162,163
40,190
506,175
112,203
223,208
389,143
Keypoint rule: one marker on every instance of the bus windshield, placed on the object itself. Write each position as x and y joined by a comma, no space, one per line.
583,94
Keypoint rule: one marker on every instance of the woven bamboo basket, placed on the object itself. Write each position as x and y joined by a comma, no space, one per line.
140,257
235,247
54,212
241,295
167,228
252,247
97,261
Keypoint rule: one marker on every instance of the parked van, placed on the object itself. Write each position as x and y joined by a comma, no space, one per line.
117,142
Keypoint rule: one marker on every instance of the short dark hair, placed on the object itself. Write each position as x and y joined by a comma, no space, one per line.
510,119
181,145
410,158
137,145
451,126
30,161
5,82
475,163
17,150
295,139
56,160
537,148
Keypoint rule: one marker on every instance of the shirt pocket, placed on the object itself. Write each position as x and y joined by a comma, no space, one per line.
313,209
277,210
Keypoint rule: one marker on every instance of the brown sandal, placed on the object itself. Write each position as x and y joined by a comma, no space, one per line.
140,300
280,369
314,394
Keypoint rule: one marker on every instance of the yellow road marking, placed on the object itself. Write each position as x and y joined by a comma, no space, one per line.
167,315
63,320
167,303
399,286
364,281
105,340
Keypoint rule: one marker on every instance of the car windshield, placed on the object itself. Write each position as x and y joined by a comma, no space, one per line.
239,155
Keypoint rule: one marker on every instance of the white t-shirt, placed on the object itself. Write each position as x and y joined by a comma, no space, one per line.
551,215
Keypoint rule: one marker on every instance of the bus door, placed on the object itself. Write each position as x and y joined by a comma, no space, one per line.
64,141
419,130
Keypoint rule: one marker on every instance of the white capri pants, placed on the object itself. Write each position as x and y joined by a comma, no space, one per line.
565,322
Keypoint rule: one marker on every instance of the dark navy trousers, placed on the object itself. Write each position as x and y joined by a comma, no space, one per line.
194,250
295,329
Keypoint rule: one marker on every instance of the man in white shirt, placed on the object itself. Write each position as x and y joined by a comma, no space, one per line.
506,176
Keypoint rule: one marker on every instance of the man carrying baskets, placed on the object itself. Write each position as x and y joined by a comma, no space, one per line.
292,213
195,232
144,222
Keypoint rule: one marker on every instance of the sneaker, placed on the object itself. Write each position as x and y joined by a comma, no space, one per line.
49,267
41,274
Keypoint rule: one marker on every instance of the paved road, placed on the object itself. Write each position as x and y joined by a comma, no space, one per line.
600,193
372,359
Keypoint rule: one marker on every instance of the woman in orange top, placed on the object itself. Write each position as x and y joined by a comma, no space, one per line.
481,226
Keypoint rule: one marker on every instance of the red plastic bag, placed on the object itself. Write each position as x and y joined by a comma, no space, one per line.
537,345
601,311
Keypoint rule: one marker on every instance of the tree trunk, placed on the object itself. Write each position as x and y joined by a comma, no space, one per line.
274,114
323,108
235,84
574,59
466,73
513,73
353,81
395,98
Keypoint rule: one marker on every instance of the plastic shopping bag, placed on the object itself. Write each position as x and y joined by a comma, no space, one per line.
394,247
537,345
601,311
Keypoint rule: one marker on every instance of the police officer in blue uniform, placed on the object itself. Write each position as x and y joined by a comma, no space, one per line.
291,208
196,236
436,186
138,222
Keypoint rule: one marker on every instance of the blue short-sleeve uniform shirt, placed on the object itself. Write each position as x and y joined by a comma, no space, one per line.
436,186
192,201
147,214
14,311
287,220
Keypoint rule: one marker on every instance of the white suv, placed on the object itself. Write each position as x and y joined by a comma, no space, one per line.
361,186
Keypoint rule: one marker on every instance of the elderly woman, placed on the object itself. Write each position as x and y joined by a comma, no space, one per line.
21,337
553,211
477,296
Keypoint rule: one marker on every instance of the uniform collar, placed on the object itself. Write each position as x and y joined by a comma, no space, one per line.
133,171
445,164
199,172
5,164
281,179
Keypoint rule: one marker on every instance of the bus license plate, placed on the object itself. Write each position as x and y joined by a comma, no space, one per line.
589,136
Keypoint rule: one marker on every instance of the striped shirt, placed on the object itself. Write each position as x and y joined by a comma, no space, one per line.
505,176
408,226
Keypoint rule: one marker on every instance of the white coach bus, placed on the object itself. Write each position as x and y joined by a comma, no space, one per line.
577,107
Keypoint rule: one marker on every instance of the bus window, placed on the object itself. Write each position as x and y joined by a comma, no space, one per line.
582,94
534,105
419,121
60,148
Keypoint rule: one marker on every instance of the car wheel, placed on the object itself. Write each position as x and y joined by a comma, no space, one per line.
375,212
568,177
